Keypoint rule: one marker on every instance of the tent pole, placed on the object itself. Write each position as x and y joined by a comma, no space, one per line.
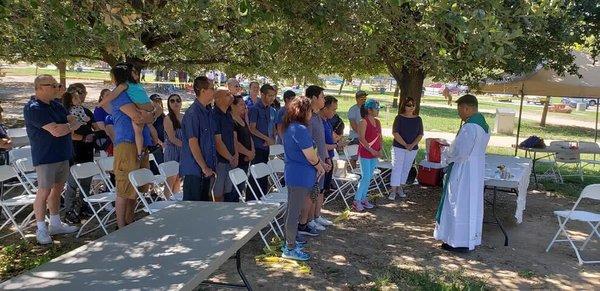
519,122
596,134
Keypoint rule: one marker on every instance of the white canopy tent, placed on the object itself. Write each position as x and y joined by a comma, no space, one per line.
547,82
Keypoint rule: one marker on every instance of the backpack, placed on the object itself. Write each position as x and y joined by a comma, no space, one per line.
533,142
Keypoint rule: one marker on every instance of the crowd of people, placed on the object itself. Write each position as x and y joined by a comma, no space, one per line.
221,130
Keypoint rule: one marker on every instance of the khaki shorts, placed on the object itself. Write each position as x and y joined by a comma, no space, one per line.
49,175
125,162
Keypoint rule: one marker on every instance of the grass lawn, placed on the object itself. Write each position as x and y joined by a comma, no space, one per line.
29,71
446,120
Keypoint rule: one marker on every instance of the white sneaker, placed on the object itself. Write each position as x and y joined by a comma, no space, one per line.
323,221
316,225
392,196
62,228
42,237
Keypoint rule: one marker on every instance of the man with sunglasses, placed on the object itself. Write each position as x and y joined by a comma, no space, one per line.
160,132
49,127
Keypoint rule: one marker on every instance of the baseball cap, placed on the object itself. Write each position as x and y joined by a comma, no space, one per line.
372,104
360,93
467,99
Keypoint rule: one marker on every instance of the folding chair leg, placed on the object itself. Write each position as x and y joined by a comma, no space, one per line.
262,236
560,228
594,231
12,218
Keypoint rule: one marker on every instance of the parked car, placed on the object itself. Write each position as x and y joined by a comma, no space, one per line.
572,102
536,99
503,97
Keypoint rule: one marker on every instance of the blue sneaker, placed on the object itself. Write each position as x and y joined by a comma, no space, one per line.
295,254
299,245
308,231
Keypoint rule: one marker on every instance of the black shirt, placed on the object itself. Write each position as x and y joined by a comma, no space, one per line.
84,152
160,127
244,137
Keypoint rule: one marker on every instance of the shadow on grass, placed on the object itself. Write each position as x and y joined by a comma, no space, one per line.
428,279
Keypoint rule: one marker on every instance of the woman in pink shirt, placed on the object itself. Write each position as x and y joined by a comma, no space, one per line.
369,150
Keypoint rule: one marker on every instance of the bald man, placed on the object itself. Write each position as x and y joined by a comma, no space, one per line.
225,140
49,128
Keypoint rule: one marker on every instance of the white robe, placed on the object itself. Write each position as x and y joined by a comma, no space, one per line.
461,219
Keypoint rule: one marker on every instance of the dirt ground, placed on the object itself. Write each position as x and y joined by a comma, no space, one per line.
394,242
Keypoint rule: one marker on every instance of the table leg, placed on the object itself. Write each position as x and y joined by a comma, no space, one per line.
496,218
533,170
238,264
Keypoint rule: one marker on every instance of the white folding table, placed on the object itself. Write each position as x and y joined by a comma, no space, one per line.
177,248
520,169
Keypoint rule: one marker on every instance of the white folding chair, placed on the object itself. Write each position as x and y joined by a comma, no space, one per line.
352,150
591,218
567,156
276,150
97,202
345,183
143,177
170,169
262,170
274,196
11,207
106,165
238,177
277,168
26,171
589,147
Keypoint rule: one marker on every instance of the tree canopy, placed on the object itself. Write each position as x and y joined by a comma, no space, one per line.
464,41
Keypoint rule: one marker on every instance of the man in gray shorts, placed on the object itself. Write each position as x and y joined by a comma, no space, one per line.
49,127
225,140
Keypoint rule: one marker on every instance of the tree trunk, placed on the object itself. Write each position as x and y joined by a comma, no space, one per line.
341,87
411,85
545,112
395,99
360,84
62,72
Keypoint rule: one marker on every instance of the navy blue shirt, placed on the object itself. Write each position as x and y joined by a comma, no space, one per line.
261,116
45,148
197,123
160,127
280,114
408,129
224,127
100,114
122,122
298,170
328,136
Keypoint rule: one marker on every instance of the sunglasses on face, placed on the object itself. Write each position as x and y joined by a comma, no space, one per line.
410,105
175,100
55,85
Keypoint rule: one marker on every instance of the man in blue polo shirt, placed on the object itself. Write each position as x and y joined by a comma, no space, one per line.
252,97
49,127
225,138
288,96
198,153
259,119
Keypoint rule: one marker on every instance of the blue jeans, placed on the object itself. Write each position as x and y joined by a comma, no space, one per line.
367,167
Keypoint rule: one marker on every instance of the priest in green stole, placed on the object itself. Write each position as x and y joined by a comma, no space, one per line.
459,218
